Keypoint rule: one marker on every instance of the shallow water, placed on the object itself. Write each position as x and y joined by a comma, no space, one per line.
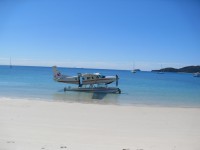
141,88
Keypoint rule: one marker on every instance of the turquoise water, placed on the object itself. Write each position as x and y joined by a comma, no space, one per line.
141,88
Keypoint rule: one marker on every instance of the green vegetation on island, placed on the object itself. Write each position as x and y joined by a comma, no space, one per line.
188,69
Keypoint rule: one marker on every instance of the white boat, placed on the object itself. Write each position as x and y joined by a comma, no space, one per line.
10,63
161,71
133,70
88,79
197,74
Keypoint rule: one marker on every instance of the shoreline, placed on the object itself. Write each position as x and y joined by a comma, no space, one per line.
95,102
28,124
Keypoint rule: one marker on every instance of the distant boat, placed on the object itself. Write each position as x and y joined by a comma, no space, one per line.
161,71
197,74
133,70
10,63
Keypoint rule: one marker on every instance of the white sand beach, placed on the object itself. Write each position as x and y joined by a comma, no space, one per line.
36,125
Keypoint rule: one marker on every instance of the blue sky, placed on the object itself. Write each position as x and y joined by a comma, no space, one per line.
115,34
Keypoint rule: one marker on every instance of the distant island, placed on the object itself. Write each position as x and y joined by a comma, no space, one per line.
188,69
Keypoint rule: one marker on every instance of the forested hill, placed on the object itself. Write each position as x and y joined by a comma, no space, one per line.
188,69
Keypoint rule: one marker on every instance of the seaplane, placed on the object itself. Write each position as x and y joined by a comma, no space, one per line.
87,82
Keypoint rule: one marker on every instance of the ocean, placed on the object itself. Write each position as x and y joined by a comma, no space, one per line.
141,88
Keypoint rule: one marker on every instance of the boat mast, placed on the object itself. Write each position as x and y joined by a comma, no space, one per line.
10,63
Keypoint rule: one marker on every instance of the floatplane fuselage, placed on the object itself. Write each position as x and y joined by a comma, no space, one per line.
87,79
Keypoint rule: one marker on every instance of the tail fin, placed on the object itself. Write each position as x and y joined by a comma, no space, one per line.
56,73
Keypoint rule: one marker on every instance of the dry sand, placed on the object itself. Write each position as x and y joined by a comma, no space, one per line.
41,125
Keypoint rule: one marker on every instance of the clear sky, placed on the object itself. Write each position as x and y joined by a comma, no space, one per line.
115,34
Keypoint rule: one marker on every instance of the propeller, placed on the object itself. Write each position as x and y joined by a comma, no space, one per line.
117,78
79,80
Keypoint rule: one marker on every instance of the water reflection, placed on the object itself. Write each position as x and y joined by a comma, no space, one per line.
86,97
99,96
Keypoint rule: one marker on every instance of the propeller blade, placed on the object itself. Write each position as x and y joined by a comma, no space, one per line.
117,78
79,80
